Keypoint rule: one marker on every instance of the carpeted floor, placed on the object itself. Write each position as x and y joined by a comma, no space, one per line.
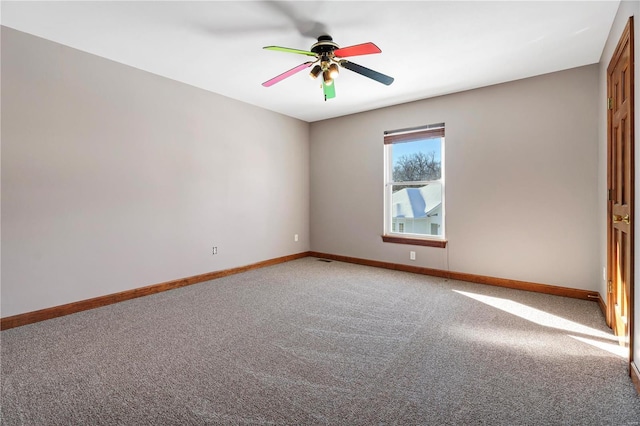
310,342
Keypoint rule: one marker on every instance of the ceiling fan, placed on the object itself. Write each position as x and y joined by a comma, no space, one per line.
328,57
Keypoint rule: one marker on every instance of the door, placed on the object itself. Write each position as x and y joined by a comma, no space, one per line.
621,186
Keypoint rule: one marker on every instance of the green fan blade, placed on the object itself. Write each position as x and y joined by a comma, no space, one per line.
287,49
329,90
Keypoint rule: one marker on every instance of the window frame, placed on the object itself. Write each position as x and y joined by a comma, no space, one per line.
405,136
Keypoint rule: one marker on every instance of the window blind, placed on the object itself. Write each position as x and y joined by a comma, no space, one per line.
430,131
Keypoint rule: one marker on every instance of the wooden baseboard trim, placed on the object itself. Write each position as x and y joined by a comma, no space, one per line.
528,286
479,279
96,302
634,372
603,306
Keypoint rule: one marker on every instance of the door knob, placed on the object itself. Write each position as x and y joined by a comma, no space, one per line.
618,218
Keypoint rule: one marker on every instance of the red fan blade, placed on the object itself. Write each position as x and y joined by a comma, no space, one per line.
286,74
357,50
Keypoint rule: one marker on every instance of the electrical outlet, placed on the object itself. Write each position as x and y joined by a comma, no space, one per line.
214,250
412,255
295,237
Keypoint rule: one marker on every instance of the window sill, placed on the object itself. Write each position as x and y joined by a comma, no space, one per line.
414,241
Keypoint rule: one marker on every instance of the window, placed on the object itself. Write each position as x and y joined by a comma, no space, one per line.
414,186
434,229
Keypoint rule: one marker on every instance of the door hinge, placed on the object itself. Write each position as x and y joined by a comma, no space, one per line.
609,287
609,103
609,194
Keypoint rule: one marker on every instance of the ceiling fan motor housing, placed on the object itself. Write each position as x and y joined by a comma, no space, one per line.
324,46
324,50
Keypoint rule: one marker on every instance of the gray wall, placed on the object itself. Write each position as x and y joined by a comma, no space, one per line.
520,181
625,10
114,178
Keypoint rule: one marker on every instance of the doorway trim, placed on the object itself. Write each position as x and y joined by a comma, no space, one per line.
626,41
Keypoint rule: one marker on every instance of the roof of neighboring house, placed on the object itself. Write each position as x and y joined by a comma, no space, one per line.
416,202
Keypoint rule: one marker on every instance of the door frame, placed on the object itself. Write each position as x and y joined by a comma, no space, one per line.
625,39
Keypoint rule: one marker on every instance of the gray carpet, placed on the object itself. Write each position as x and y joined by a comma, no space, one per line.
309,342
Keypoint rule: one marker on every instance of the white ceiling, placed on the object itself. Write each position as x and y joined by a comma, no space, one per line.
430,48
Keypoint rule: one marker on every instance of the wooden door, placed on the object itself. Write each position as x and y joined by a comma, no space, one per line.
621,186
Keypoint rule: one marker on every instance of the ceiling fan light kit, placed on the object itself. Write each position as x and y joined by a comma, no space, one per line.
334,71
315,72
328,58
327,78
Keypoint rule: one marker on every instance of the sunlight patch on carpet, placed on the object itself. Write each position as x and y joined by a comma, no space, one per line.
613,348
546,319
